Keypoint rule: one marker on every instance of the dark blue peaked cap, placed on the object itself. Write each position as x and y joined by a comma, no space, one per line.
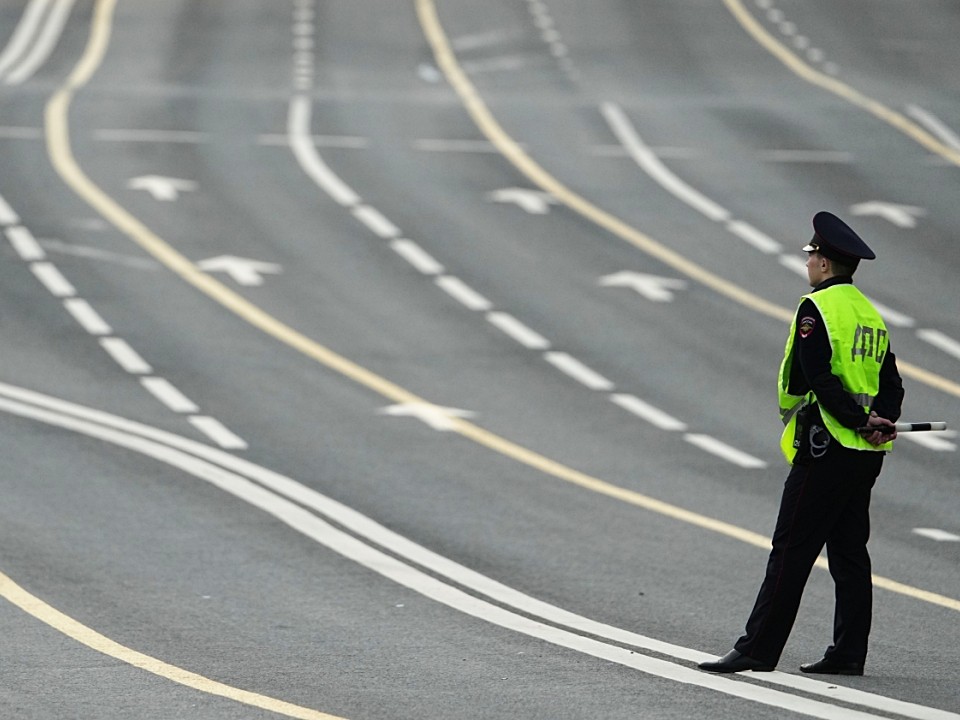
834,239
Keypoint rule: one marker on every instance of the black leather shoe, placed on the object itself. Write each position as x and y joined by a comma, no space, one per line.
733,662
832,667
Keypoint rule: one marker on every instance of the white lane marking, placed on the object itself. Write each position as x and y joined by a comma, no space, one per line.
125,356
25,244
807,156
225,470
464,146
891,316
243,271
416,256
56,283
301,143
583,374
376,222
344,142
7,215
648,412
935,125
164,391
794,263
941,341
93,253
44,45
650,163
162,188
652,287
937,442
20,133
216,431
749,234
938,535
88,318
23,34
724,451
463,293
508,324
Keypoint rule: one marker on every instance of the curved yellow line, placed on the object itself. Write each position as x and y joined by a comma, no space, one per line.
804,71
36,607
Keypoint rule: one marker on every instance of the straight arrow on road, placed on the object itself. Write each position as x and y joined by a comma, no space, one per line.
164,189
437,417
904,216
243,270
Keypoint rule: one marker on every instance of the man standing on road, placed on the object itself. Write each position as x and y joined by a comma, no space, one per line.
838,376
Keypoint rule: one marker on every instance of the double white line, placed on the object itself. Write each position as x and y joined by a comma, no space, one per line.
32,42
366,542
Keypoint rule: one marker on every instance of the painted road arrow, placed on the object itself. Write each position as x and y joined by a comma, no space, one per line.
243,270
437,417
165,189
534,202
900,215
652,287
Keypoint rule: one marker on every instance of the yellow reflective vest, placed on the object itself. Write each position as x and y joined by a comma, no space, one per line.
859,341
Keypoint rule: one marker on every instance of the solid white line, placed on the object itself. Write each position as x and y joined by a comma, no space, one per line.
88,318
937,442
941,341
125,356
7,215
938,535
20,133
518,331
810,156
375,220
569,365
44,45
650,163
301,143
216,431
346,142
56,283
20,40
722,450
25,244
648,412
165,392
174,450
748,233
416,256
463,293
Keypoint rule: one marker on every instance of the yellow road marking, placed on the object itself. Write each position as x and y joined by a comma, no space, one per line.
511,150
36,607
61,155
806,72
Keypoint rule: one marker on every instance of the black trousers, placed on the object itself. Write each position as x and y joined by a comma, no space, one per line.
825,501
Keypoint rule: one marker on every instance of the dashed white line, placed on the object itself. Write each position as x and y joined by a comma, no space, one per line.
648,412
88,318
125,356
583,374
376,222
7,215
722,450
938,442
463,293
56,283
518,331
185,137
938,535
165,392
893,317
749,234
25,244
416,256
216,431
941,341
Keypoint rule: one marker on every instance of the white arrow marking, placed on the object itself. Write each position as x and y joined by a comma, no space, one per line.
437,417
165,189
243,270
651,287
534,202
900,215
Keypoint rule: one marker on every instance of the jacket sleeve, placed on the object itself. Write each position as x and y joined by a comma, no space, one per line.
890,398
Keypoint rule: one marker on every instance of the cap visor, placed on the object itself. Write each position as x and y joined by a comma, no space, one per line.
809,248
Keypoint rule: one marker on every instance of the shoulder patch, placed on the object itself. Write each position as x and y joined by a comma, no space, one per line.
806,326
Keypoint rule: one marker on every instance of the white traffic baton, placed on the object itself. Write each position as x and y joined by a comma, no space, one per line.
902,427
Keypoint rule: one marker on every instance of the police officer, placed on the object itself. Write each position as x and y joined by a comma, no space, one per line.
840,393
